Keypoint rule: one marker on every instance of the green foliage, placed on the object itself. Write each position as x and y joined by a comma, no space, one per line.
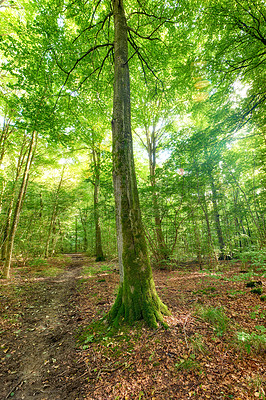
38,262
254,342
189,363
258,312
250,284
257,382
242,277
163,265
49,272
216,317
97,269
197,343
254,258
210,290
235,293
117,339
96,331
258,290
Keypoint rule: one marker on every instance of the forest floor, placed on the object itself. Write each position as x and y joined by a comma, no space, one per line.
54,345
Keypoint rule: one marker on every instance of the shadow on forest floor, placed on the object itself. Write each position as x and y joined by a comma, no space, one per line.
54,345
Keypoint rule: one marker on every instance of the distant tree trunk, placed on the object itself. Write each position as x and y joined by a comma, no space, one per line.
198,245
162,250
98,234
41,206
137,297
84,221
61,237
54,238
254,214
76,234
16,215
217,216
203,205
53,216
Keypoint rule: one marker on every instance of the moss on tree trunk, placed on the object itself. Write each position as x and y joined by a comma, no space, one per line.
137,297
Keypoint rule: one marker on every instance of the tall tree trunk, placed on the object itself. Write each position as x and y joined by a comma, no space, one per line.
98,234
22,192
137,297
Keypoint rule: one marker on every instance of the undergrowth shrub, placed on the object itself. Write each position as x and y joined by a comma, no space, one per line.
190,363
97,269
38,262
216,317
254,342
50,271
255,258
197,343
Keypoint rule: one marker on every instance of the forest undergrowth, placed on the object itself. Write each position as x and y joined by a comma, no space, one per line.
56,345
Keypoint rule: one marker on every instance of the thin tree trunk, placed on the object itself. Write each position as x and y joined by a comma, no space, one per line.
7,225
254,216
98,234
76,234
203,205
61,237
22,192
83,219
197,239
137,297
54,215
217,217
5,133
162,251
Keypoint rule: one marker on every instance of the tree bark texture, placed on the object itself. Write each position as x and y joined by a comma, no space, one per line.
137,297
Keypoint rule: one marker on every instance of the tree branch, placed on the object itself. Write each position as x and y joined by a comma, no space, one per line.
92,49
146,37
102,23
142,60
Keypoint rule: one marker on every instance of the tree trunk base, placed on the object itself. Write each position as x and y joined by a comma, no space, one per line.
100,258
143,304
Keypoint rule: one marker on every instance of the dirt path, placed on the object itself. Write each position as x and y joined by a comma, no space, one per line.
42,362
